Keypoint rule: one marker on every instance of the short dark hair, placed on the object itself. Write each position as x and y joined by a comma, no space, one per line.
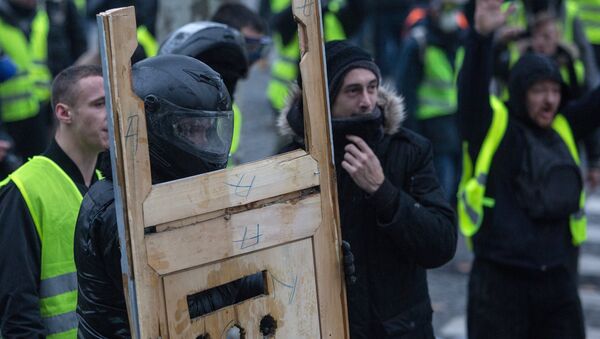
63,86
237,15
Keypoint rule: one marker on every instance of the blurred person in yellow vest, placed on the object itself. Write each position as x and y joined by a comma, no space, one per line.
145,17
42,38
588,14
521,198
429,63
284,69
39,203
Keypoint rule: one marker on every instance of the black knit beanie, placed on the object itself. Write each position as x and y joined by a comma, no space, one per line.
342,57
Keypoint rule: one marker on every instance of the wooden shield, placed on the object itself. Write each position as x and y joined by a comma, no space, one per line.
277,217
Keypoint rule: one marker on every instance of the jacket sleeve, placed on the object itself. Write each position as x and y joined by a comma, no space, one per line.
20,256
474,111
109,246
419,220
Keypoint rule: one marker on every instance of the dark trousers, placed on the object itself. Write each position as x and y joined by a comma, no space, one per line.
513,303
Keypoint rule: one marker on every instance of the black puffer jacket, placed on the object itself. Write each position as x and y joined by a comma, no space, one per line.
396,234
101,308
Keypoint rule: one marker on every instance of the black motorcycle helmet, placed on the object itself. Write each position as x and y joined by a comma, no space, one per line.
221,47
188,115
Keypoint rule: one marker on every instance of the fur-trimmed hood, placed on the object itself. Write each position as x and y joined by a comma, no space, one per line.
390,103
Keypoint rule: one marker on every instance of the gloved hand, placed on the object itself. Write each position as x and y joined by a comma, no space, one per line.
349,269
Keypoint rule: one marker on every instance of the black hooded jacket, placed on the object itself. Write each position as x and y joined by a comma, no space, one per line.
397,233
509,235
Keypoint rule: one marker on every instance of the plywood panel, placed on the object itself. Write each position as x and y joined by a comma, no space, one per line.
232,235
330,285
291,299
248,183
131,167
278,214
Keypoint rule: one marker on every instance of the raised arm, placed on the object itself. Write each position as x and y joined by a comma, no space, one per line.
474,111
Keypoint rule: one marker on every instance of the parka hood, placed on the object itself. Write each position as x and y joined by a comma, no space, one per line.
530,68
291,120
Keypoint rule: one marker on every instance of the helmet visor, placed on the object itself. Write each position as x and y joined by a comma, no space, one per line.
206,134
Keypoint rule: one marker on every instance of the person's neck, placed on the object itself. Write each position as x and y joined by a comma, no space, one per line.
84,159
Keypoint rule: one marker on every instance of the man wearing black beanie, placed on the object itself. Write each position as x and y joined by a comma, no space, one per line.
392,209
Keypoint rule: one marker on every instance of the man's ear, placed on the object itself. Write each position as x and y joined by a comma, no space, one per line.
63,113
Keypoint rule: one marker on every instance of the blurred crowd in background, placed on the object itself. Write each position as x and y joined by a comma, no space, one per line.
416,44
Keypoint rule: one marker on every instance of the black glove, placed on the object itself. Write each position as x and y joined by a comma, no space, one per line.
349,269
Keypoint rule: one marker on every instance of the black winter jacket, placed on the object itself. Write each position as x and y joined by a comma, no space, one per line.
404,228
101,308
508,235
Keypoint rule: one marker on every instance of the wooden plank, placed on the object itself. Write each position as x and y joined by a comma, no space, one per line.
232,235
131,170
329,275
240,185
291,299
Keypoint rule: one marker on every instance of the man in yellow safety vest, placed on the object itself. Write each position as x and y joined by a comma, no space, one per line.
521,198
39,203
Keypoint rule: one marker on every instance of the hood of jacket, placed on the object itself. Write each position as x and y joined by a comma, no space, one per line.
291,118
531,68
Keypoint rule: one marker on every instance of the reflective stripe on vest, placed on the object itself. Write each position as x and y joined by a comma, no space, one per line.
147,41
20,95
579,69
284,69
53,201
578,220
437,93
589,14
237,129
471,191
571,12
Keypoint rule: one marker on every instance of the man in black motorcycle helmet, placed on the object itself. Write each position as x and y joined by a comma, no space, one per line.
221,47
189,121
189,116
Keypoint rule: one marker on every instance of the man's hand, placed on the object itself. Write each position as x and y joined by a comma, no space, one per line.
362,165
489,16
4,147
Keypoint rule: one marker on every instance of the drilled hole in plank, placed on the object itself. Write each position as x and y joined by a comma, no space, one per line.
267,326
235,332
228,294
